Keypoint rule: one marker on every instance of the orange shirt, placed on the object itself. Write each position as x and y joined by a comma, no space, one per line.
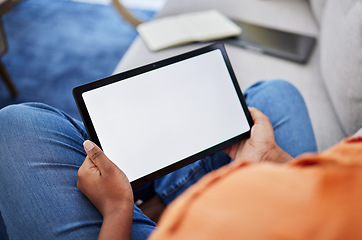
317,196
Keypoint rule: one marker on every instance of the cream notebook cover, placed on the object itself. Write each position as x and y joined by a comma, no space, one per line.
185,28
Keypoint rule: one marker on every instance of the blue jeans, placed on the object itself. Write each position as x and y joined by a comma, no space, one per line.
41,151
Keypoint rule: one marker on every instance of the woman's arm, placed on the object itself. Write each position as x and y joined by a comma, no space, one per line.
108,188
261,146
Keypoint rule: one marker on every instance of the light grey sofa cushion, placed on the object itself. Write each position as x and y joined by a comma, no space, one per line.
317,8
341,60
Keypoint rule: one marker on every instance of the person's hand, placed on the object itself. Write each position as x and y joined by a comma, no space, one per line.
261,145
105,185
109,189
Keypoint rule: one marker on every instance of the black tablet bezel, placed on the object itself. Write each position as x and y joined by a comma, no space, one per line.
78,91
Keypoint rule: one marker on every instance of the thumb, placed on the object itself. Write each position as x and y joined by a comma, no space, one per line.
257,115
96,155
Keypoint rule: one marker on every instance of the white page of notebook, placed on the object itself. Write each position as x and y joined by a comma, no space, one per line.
188,27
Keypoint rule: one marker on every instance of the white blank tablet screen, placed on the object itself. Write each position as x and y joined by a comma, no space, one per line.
154,119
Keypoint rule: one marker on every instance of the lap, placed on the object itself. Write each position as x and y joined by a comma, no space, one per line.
42,151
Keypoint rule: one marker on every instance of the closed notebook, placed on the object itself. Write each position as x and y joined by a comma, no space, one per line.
185,28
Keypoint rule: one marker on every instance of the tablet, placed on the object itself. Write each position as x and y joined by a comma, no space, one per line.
160,117
290,46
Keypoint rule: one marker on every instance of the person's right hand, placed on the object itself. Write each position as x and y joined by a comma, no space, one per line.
108,188
261,145
105,185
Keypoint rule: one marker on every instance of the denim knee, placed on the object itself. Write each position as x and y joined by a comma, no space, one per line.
274,95
9,112
25,117
10,118
15,119
13,113
275,85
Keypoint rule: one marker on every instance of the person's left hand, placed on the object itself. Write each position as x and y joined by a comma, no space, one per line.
261,146
105,185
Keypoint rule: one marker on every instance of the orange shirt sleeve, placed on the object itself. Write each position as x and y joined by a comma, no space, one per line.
317,196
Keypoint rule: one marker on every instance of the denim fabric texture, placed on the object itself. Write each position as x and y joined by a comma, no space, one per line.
41,151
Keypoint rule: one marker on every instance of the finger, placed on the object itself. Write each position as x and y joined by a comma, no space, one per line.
257,115
87,168
227,150
97,156
82,173
232,150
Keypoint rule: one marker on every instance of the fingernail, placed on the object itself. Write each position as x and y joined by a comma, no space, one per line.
88,145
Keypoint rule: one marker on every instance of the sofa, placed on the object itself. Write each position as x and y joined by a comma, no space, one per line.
330,82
